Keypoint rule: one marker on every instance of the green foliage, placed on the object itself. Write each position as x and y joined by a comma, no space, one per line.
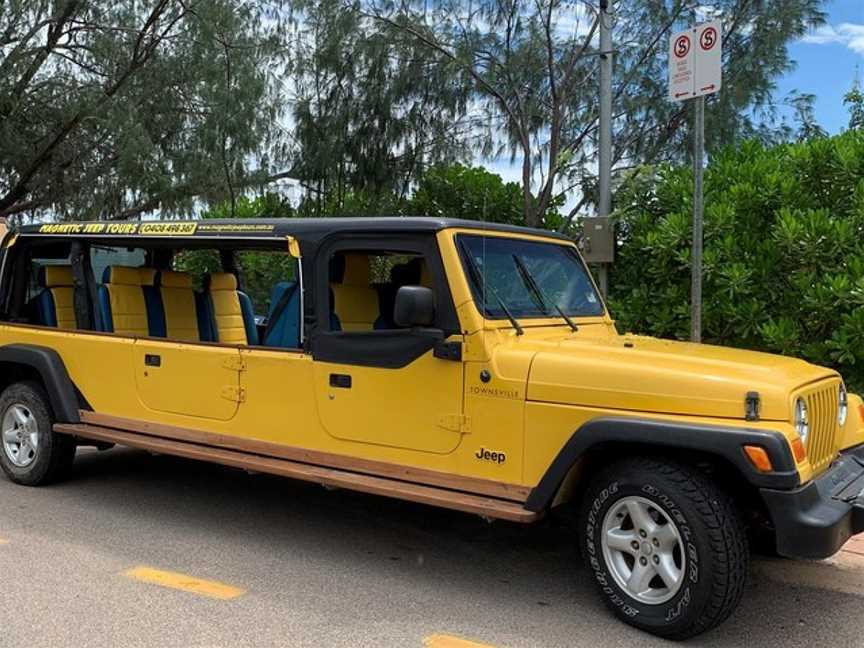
854,99
267,205
459,191
784,251
112,109
372,110
532,66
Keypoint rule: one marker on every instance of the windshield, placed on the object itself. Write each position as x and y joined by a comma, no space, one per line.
527,278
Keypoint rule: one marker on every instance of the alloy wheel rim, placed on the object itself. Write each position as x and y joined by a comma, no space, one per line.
20,435
643,550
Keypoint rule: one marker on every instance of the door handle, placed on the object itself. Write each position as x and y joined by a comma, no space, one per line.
152,360
342,381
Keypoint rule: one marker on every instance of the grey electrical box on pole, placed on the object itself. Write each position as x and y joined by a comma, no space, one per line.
695,70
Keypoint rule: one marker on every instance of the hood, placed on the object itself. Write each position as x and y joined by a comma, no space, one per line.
662,376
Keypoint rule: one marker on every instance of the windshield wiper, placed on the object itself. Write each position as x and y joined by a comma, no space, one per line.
478,281
544,299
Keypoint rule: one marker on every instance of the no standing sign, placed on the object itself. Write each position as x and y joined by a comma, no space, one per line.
695,61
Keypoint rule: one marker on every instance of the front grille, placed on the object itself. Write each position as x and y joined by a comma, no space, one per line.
824,441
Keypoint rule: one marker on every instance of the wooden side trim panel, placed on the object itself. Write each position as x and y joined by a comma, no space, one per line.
473,485
486,506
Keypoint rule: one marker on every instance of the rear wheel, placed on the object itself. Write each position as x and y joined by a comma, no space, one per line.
665,545
32,453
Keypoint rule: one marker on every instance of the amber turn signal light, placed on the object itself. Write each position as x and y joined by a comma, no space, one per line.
798,450
759,458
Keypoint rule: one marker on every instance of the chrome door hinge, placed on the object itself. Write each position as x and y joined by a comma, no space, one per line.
236,394
455,422
234,363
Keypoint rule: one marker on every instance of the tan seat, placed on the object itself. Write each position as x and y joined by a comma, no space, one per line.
55,304
121,300
355,301
231,318
179,305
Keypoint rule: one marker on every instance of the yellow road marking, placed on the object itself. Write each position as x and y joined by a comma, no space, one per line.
3,541
213,589
449,641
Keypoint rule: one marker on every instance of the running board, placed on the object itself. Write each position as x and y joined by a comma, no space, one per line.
484,506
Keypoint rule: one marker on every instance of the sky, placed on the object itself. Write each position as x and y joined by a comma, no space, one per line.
826,62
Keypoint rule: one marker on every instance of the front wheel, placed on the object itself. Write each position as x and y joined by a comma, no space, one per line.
32,453
665,545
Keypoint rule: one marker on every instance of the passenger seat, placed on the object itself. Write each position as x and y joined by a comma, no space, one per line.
283,320
179,306
231,319
356,302
122,302
55,304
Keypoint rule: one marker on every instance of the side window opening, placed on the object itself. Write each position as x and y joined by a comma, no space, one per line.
183,295
363,287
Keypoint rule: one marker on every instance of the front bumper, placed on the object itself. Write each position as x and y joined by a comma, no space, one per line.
814,521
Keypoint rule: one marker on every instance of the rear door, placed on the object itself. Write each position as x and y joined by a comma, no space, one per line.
196,380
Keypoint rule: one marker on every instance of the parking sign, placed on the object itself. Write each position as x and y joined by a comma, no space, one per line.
695,61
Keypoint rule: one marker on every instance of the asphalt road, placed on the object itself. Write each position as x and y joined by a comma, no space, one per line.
297,565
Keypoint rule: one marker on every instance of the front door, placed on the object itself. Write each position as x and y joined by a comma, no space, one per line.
376,382
189,379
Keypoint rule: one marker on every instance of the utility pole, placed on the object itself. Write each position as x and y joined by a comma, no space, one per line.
696,256
604,203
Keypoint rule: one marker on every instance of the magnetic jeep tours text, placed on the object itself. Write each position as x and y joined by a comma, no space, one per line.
466,366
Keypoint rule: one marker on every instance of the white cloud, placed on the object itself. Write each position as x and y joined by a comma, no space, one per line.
850,35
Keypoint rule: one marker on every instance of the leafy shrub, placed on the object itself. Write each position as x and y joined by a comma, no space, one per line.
783,259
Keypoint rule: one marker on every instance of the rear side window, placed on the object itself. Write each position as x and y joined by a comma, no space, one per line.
260,272
103,256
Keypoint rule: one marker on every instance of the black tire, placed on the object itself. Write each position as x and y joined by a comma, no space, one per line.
713,539
55,452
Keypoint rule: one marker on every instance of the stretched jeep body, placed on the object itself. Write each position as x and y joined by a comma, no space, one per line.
461,365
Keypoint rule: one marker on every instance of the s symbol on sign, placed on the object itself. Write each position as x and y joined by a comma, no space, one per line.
682,46
708,39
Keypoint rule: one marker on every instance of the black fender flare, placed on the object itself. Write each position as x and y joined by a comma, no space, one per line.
718,440
49,365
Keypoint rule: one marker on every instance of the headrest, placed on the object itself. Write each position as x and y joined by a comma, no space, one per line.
356,270
124,275
170,279
59,275
337,268
407,274
148,276
221,281
425,275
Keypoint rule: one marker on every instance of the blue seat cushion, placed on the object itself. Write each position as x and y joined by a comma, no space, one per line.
248,313
284,331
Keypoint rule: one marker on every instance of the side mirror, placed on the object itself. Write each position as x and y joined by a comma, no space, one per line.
415,306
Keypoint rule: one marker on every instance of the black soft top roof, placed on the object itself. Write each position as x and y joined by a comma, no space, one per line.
304,229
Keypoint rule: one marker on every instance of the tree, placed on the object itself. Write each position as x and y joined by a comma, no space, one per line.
459,191
114,109
372,109
854,99
805,116
783,260
533,67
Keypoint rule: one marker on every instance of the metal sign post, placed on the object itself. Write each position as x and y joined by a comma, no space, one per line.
695,70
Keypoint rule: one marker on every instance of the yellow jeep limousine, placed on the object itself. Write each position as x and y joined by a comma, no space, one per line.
467,366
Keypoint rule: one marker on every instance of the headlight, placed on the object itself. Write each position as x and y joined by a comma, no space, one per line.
802,425
843,409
